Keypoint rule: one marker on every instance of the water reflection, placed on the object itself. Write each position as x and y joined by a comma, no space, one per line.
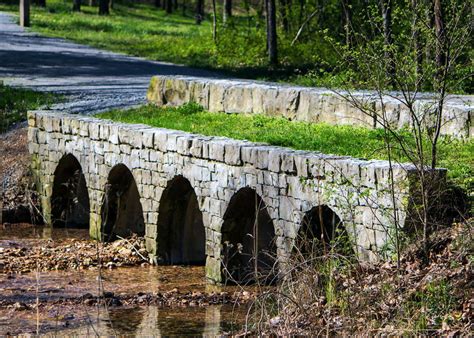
24,231
208,321
49,286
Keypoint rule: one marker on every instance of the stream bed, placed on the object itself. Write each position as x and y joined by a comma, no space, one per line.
56,302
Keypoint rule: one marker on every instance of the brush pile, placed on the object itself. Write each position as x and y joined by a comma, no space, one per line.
72,254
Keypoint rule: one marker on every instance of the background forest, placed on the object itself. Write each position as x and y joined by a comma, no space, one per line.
308,42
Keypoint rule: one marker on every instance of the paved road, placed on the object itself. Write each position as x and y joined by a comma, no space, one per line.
93,80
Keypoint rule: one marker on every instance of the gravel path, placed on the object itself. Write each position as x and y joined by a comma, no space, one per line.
92,79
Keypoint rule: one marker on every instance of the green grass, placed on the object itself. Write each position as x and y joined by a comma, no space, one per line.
15,102
358,142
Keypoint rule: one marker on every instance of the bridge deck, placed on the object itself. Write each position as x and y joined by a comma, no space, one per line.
208,187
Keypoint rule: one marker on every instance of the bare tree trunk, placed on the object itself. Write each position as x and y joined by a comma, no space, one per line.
386,7
301,13
41,3
227,10
169,6
440,38
199,11
175,5
76,5
417,44
347,10
104,7
271,32
92,3
214,21
430,23
158,3
25,13
284,15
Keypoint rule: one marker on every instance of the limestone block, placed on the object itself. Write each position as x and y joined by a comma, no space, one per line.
175,92
216,95
84,128
216,150
274,160
104,131
155,90
114,134
287,102
262,157
125,149
238,99
270,102
31,118
199,93
232,153
288,162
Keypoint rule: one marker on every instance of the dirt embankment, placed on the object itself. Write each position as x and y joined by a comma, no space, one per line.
18,202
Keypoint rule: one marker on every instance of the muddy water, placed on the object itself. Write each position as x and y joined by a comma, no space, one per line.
54,316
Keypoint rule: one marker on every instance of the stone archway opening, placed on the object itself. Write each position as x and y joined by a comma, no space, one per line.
70,199
181,234
321,232
122,213
248,239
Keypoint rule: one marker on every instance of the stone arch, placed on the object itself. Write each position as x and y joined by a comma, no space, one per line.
248,239
321,230
181,234
121,213
70,199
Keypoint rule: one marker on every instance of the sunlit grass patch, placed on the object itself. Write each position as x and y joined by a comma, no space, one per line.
359,142
15,102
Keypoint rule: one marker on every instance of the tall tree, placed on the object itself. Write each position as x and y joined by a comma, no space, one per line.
25,13
386,8
440,36
199,11
417,41
41,3
271,32
158,3
284,13
169,6
104,7
214,21
227,10
76,5
347,13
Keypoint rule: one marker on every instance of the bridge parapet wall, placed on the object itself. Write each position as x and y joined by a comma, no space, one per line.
289,182
307,104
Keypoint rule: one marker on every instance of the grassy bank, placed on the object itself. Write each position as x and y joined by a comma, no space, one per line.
358,142
15,102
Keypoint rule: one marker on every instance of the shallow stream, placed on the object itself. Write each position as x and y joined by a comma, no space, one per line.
50,288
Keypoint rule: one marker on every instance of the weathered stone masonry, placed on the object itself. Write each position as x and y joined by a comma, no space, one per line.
289,182
306,104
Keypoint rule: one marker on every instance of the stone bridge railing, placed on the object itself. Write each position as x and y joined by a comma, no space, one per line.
190,195
308,104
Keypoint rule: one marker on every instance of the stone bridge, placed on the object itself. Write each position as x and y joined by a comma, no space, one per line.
196,199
